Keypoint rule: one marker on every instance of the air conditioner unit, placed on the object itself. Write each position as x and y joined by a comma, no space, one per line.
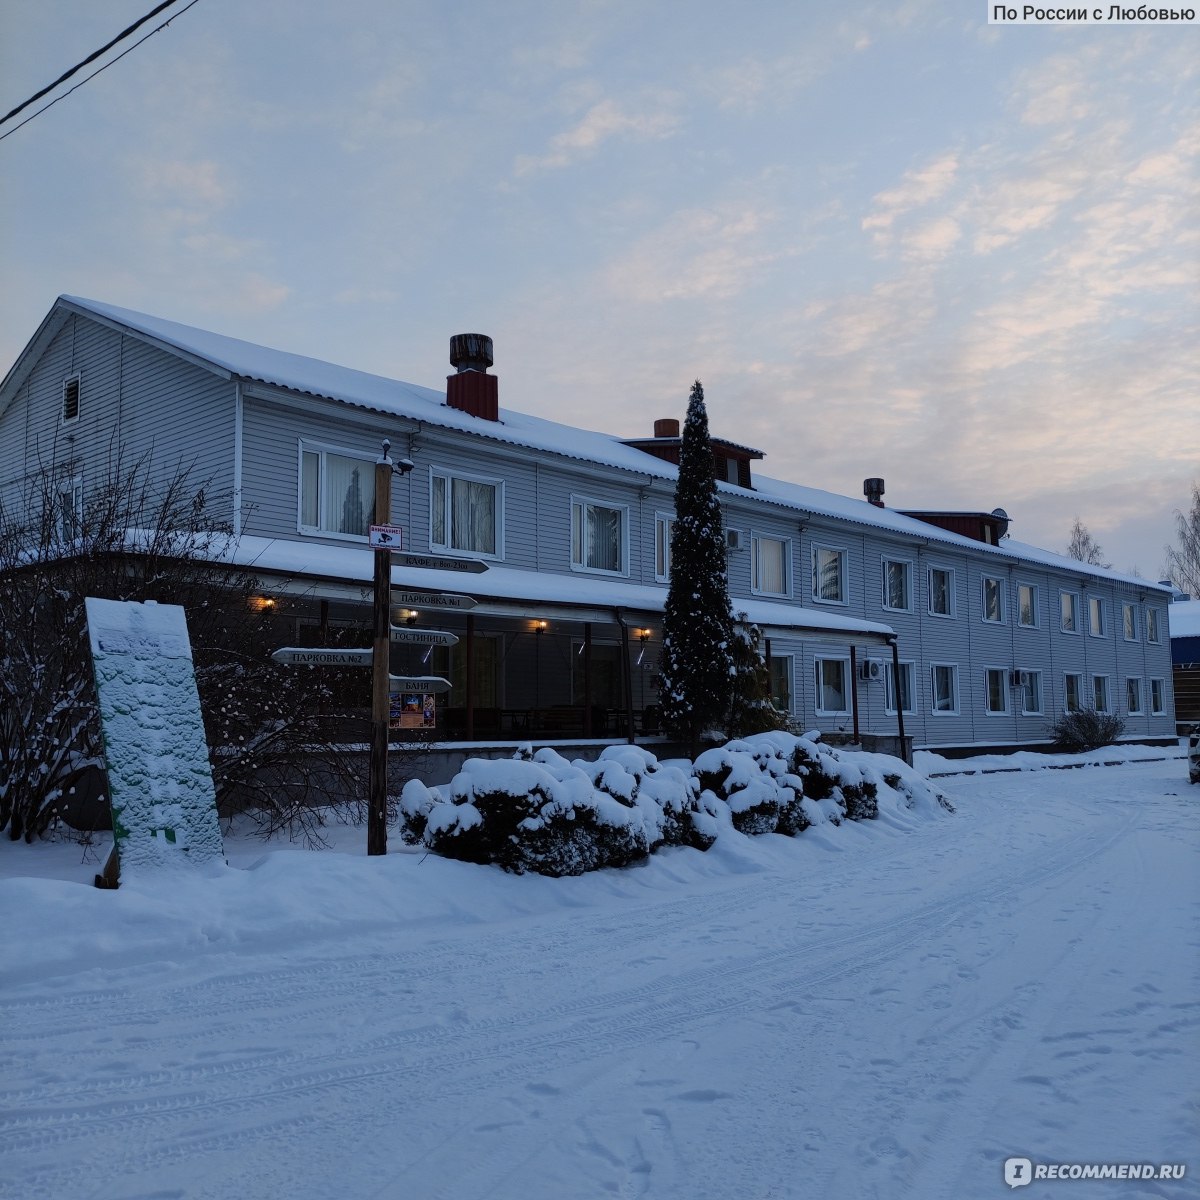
872,668
1020,678
733,539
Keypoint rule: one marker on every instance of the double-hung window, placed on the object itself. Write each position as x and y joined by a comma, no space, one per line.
780,670
1133,696
663,526
768,565
941,591
1068,606
897,585
829,575
337,491
943,687
1100,693
995,687
993,600
465,514
1158,697
1072,693
832,692
1027,605
1096,622
598,536
906,688
1129,621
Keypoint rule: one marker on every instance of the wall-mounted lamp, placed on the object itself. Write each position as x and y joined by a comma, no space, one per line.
401,466
540,626
643,635
410,616
262,603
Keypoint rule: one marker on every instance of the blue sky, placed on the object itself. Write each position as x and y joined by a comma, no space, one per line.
890,239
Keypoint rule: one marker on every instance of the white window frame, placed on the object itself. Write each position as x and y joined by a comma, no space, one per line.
1130,681
1080,703
1129,620
951,598
790,671
1000,600
1108,698
664,524
321,449
934,668
76,378
1158,696
1097,615
1035,605
1065,593
906,566
819,699
447,546
989,673
843,573
579,508
890,696
1034,687
1153,626
785,563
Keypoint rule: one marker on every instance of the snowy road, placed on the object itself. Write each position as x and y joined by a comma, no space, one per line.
873,1011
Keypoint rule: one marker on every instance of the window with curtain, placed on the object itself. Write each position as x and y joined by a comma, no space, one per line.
993,600
1133,696
663,525
1100,693
831,685
944,687
1068,604
996,690
1129,621
1072,693
1027,613
597,537
337,492
1158,693
906,687
1031,693
464,514
768,565
941,592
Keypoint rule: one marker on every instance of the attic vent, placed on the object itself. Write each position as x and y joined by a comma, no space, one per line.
733,539
70,403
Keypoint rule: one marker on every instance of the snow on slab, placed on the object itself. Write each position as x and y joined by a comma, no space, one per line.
163,801
936,766
1183,618
882,1009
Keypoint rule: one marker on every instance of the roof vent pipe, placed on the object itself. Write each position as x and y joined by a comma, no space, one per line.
873,490
472,390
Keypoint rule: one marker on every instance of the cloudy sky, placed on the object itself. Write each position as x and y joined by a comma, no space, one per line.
890,238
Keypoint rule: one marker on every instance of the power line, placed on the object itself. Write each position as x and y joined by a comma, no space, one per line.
92,58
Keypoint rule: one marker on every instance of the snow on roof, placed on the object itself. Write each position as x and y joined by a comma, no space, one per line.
355,565
1183,618
316,377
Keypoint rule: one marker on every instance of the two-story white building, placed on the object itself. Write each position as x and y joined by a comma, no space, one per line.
873,618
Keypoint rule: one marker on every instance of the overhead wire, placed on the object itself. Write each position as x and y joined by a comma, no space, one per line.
92,58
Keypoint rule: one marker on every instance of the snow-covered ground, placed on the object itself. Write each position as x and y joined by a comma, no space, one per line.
887,1009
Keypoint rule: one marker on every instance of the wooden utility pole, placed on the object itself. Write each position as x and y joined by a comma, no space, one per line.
380,707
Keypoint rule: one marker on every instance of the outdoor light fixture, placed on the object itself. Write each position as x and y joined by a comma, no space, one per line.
262,603
410,616
540,626
644,634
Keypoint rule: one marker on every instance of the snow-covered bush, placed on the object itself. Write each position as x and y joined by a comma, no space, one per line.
539,812
1086,729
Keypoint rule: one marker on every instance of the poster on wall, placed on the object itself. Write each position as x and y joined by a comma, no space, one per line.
413,710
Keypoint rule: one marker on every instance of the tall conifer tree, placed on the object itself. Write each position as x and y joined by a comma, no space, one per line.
697,664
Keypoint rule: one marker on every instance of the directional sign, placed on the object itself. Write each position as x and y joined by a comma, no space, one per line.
386,537
418,683
431,562
432,599
298,656
422,637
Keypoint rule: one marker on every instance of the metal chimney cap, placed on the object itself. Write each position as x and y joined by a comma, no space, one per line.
470,352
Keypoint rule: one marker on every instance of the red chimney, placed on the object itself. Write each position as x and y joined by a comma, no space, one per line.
666,427
473,390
